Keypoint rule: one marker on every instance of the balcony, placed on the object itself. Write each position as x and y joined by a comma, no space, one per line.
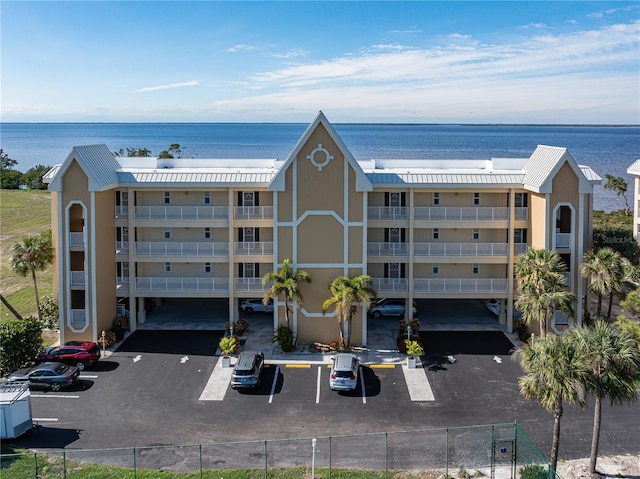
400,285
160,248
78,278
251,284
387,213
460,285
253,212
248,248
209,213
564,240
122,247
198,284
469,213
76,239
466,249
122,212
387,249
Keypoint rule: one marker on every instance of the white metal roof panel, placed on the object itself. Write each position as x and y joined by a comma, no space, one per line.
634,169
164,177
452,179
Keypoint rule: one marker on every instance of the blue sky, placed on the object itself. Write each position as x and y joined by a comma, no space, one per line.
209,61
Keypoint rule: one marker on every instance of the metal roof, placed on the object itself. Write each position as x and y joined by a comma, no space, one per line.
444,177
634,169
196,177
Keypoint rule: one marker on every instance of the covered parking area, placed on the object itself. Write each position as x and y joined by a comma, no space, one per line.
186,313
457,315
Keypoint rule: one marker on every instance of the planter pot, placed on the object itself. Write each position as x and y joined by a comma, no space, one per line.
226,362
411,362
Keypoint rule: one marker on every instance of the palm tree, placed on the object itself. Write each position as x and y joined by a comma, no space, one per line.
613,357
347,292
34,253
555,374
605,269
285,282
542,287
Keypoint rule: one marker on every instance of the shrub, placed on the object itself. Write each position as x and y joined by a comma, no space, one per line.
20,342
229,345
239,327
109,339
413,348
120,326
283,336
414,323
533,471
50,312
402,343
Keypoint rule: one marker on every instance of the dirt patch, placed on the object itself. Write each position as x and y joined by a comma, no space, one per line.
627,467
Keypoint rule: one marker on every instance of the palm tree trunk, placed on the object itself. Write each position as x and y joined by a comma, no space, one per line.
556,435
35,289
347,331
286,310
595,439
610,305
599,305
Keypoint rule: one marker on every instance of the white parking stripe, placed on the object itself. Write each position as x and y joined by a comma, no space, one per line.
273,386
364,391
64,396
45,419
318,385
83,376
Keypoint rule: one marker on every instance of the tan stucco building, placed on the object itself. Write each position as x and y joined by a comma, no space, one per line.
127,229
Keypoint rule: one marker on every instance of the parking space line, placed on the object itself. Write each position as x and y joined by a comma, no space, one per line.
298,366
45,419
364,391
63,396
382,366
318,385
83,376
273,386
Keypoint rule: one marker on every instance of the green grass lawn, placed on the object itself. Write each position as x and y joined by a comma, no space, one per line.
22,213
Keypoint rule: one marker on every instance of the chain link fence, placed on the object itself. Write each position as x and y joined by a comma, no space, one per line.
498,451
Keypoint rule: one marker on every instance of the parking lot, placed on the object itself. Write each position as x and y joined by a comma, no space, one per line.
149,392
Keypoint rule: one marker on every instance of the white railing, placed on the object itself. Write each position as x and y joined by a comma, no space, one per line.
185,248
181,213
78,278
182,284
253,212
78,317
387,213
469,213
248,248
122,247
466,249
387,249
522,213
460,285
250,284
390,284
76,239
564,240
122,212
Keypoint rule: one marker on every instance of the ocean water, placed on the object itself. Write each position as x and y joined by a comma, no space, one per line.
606,149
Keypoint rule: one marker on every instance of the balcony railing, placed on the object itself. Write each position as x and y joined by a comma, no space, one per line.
469,213
248,248
253,212
387,249
564,240
250,284
466,249
161,248
78,317
387,213
78,278
122,247
182,284
122,212
181,213
76,239
460,285
390,284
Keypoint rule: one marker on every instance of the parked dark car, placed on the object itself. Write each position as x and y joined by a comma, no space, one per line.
80,354
54,376
247,371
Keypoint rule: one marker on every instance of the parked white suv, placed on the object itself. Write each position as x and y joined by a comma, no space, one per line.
256,305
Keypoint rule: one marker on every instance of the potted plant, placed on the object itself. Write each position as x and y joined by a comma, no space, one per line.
414,349
228,345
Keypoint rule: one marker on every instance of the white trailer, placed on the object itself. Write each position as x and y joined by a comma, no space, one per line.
15,409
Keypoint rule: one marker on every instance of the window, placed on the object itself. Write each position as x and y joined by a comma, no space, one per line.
435,269
475,269
207,267
436,234
167,197
476,199
167,233
395,235
207,233
394,270
167,267
248,234
394,199
206,197
476,234
436,199
520,235
521,200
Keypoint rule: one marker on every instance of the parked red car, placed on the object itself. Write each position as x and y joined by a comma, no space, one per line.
74,353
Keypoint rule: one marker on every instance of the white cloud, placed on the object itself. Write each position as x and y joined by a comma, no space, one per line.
291,54
167,87
240,48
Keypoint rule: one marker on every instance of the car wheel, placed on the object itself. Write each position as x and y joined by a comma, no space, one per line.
248,310
80,366
377,314
55,387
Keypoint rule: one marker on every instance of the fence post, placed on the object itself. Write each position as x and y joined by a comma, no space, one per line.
386,455
64,464
330,466
135,469
35,464
446,455
266,464
200,453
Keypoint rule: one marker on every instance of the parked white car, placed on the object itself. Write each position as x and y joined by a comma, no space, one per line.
256,305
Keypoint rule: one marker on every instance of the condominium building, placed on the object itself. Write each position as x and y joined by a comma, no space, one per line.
634,169
130,229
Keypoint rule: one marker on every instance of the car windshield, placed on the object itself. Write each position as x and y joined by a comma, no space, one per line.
244,372
62,368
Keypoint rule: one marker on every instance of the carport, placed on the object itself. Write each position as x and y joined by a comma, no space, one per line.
187,313
456,314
